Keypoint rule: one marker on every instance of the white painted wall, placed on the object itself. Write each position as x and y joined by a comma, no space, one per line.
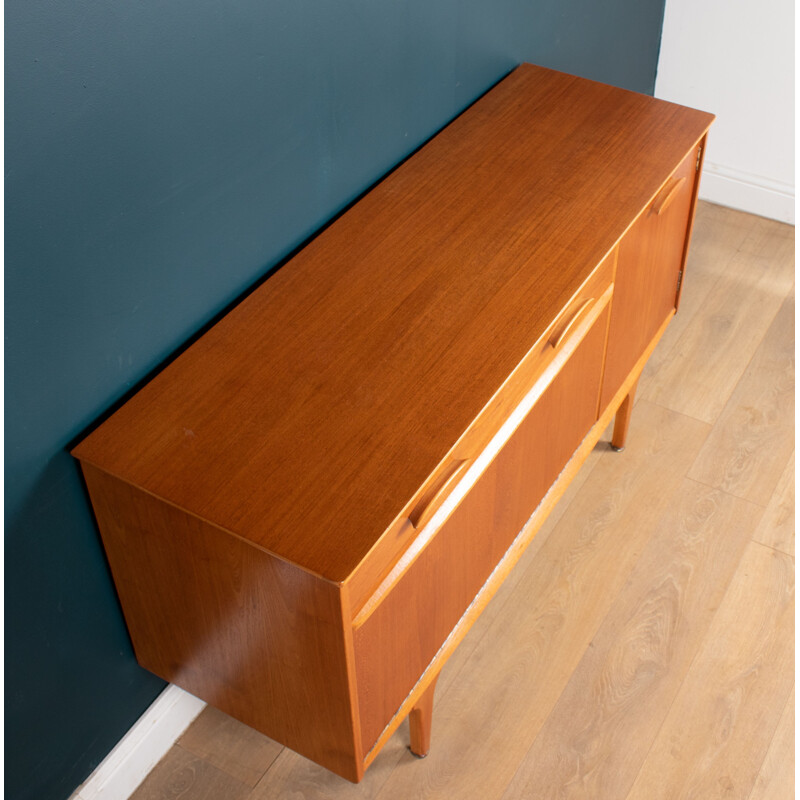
735,58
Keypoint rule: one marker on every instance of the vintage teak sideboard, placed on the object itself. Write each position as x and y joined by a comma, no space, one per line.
306,510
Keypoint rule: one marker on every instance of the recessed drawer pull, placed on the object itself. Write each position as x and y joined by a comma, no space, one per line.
667,195
427,504
556,340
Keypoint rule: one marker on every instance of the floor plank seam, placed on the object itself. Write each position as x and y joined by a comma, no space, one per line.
682,413
763,506
774,549
266,771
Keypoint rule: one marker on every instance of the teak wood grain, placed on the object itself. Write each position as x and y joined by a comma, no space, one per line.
327,397
307,510
536,369
211,616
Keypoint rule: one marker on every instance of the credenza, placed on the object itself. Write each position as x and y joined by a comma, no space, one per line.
307,509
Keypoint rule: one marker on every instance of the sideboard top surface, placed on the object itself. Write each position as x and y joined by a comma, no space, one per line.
309,415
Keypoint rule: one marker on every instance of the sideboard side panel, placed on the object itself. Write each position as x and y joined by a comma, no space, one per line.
252,635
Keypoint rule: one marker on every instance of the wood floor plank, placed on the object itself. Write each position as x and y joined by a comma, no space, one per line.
719,233
485,723
292,772
712,353
776,528
181,774
292,776
230,745
720,726
747,451
594,742
776,778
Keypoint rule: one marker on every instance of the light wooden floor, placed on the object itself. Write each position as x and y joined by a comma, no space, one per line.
644,646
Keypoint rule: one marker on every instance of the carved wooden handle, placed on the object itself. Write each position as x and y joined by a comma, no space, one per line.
556,340
667,195
427,504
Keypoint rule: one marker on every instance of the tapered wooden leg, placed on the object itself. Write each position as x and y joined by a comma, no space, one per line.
623,420
419,722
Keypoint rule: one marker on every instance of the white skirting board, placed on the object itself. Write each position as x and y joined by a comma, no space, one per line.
142,747
752,193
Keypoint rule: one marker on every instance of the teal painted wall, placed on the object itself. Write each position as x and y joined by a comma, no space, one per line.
161,158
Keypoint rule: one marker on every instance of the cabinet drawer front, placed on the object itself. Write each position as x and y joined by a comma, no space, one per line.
401,636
